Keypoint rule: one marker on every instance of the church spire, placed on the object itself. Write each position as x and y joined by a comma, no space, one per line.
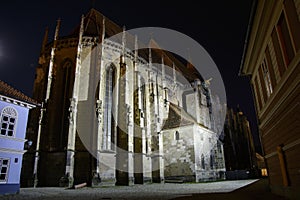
135,52
163,70
56,32
123,44
150,58
52,60
189,61
103,30
42,53
174,73
81,30
45,40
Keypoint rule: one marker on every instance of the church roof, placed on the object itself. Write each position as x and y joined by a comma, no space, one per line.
190,73
93,25
11,92
177,117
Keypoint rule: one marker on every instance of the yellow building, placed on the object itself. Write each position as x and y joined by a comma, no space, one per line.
272,58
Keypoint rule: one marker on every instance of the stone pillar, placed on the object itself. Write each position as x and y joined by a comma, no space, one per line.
159,119
122,136
37,150
153,124
51,63
147,134
138,132
154,140
96,177
130,125
138,156
68,179
197,93
122,168
161,159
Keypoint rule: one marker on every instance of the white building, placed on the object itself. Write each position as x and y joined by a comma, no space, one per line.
119,127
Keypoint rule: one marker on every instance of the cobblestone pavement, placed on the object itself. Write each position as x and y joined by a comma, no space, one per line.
149,191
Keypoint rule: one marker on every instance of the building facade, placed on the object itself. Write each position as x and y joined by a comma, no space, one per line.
112,116
240,155
271,58
14,109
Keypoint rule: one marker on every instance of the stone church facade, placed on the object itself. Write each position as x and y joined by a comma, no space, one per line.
112,116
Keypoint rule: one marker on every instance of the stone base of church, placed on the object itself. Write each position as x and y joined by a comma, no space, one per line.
131,181
96,180
66,181
106,182
147,180
180,179
210,175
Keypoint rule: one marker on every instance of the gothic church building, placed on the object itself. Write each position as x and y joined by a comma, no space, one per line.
122,121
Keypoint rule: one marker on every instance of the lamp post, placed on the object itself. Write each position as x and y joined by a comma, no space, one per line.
36,160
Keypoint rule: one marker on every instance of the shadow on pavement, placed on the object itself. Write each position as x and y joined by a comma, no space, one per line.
256,190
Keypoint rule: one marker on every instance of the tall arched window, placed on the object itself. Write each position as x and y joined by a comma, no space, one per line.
212,163
142,89
67,90
176,135
9,117
202,161
143,98
109,131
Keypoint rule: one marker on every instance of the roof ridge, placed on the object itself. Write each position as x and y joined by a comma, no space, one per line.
179,110
111,27
9,91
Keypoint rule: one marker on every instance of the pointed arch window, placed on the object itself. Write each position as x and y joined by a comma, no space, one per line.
202,161
9,117
67,90
109,128
143,97
212,161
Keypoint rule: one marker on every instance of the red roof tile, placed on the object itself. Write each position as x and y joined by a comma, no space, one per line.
9,91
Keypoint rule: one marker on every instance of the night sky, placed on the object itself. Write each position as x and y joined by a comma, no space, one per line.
219,26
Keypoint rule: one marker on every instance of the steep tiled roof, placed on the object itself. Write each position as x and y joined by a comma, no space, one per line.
9,91
177,117
93,27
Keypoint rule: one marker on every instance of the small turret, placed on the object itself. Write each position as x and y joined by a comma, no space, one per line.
45,41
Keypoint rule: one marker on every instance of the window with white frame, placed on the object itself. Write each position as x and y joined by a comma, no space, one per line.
267,79
8,121
4,166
